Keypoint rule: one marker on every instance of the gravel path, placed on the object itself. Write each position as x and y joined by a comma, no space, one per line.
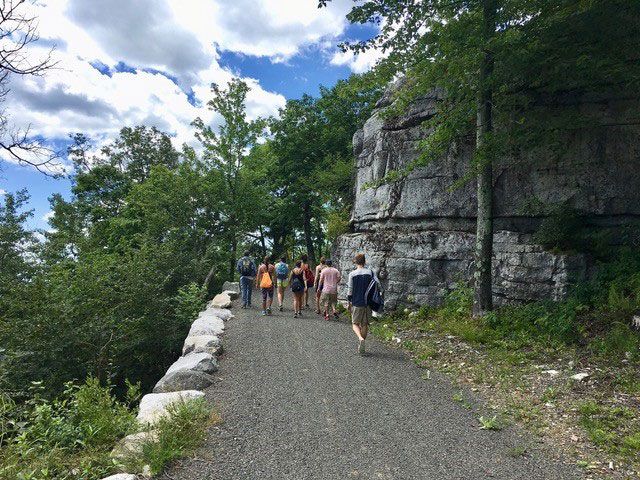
297,402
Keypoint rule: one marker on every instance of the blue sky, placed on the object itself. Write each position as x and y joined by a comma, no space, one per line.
150,62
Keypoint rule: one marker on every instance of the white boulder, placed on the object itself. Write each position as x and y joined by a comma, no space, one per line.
131,445
223,313
206,324
121,476
197,362
153,406
232,295
202,343
222,300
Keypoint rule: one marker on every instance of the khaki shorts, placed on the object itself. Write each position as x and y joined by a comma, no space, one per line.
328,300
360,316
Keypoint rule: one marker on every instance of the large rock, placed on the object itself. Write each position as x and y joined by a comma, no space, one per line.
420,232
222,300
183,380
121,476
197,362
153,406
231,287
131,445
202,343
232,294
223,313
207,324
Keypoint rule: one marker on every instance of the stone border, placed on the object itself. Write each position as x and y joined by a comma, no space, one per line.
187,376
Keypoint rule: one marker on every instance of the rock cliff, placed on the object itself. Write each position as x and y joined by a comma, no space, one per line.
419,232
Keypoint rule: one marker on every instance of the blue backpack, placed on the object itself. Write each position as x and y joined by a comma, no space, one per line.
375,301
282,270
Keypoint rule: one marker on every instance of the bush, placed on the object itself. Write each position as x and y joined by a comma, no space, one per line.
178,434
337,224
69,437
189,301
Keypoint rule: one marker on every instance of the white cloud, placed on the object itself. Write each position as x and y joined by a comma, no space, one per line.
133,41
358,63
3,191
48,216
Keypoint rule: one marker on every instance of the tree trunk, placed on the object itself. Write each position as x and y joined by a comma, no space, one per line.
482,301
233,259
308,234
263,243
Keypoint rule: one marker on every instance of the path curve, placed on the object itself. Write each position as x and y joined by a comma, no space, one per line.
297,402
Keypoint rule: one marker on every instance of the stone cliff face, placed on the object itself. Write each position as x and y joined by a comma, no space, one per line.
419,232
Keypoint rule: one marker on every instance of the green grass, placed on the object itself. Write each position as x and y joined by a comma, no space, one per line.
611,427
179,434
490,423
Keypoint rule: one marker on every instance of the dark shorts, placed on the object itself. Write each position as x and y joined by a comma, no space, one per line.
267,292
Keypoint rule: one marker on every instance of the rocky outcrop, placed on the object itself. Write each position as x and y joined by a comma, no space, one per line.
153,406
419,232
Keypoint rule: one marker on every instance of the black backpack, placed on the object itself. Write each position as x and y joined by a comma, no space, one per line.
246,267
296,285
374,296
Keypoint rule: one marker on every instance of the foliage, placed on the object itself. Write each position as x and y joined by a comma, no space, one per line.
68,437
179,433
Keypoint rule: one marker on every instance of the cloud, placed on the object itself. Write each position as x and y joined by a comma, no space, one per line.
3,191
358,63
151,62
48,216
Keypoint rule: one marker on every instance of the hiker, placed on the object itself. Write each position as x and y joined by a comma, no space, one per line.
298,282
361,313
282,277
266,281
317,284
308,276
329,279
247,270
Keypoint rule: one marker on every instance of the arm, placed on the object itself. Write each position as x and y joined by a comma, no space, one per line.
258,278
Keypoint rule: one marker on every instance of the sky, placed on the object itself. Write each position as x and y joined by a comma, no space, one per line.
151,62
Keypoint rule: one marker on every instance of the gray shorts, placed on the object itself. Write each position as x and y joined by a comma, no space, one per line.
361,316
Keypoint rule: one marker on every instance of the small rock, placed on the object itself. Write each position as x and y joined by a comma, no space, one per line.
574,438
131,445
571,364
121,476
579,376
146,471
553,373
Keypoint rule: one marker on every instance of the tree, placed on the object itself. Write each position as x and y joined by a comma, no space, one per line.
18,30
225,153
504,63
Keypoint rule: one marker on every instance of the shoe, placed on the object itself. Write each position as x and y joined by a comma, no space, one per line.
336,316
295,315
280,308
318,312
264,313
326,317
361,347
268,311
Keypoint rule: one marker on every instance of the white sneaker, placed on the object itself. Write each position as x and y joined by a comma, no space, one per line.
361,347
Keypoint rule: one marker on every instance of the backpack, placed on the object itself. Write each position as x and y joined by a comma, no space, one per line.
309,276
246,267
282,270
265,281
373,296
296,285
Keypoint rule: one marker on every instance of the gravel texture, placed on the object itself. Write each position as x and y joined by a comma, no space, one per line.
297,402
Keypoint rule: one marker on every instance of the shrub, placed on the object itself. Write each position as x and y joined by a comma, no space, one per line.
69,437
337,224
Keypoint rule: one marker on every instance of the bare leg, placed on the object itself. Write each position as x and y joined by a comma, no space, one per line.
280,296
364,329
318,302
270,300
356,330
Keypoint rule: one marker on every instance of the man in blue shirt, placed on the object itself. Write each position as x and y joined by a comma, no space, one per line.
359,281
247,270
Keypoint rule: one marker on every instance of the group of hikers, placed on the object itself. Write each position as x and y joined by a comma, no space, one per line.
363,291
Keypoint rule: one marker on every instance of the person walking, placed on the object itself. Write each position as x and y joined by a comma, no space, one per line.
298,282
266,281
247,270
308,276
361,313
317,284
282,277
329,279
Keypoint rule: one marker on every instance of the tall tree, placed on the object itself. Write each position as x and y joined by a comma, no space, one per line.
225,153
18,30
501,62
